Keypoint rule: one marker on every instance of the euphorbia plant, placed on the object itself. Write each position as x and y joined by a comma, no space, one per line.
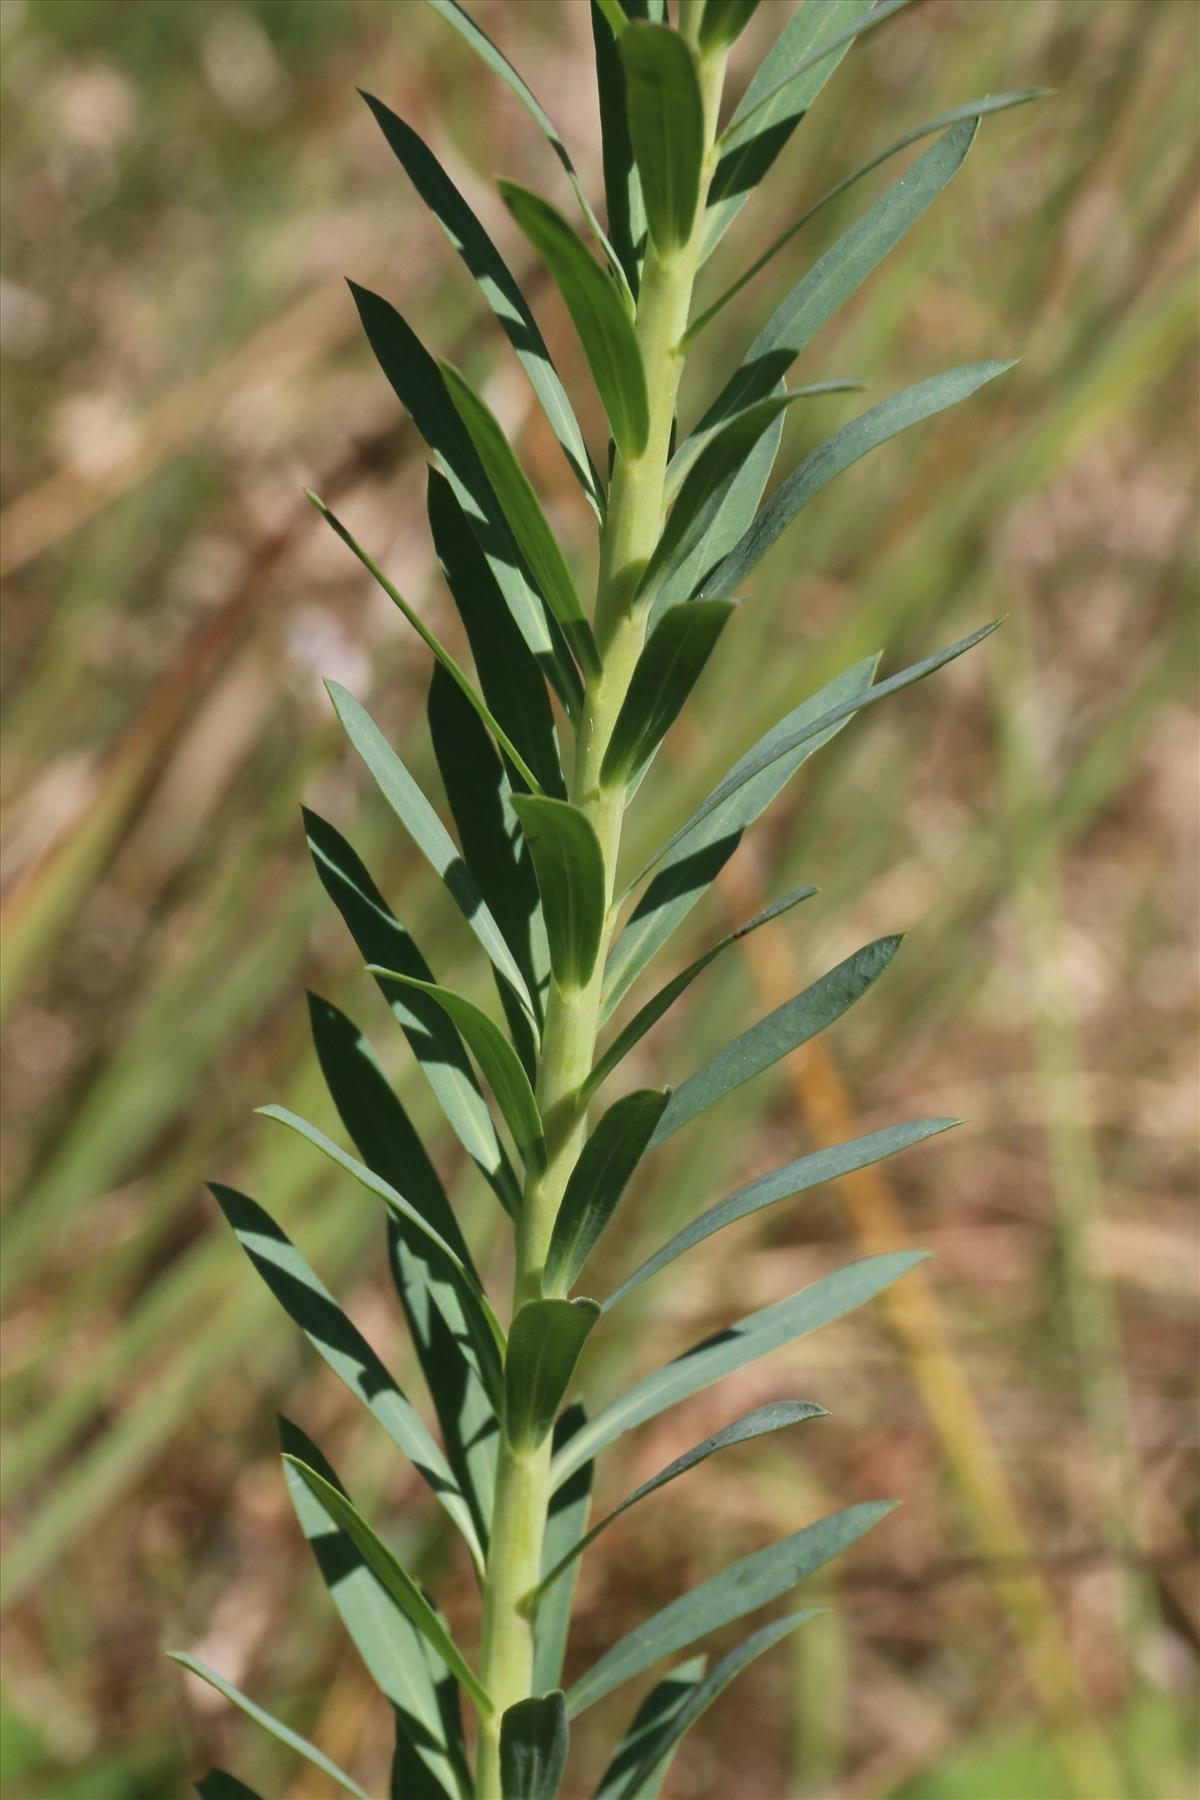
540,753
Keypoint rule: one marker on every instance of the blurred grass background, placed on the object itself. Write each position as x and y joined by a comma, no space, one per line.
185,183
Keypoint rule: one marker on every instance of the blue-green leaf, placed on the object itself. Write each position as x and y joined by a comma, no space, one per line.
705,1692
418,385
741,1588
781,744
395,1580
701,850
667,670
723,22
509,674
311,1306
666,997
732,1349
569,865
647,1738
277,1730
427,833
829,283
622,184
598,312
782,1031
457,675
460,1366
524,514
796,1177
416,1684
533,1747
758,130
502,1068
384,942
566,1521
485,49
545,1342
709,477
666,126
776,1416
497,285
600,1176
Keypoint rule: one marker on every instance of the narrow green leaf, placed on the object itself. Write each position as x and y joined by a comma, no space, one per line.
282,1733
701,850
394,1579
666,996
566,1521
485,49
502,1068
569,865
777,1416
219,1784
383,941
615,15
815,58
666,126
457,675
782,1031
544,1345
783,744
533,1747
598,312
524,514
723,22
512,681
741,1588
731,1349
754,138
428,834
418,1687
796,1177
837,453
707,482
705,1692
830,283
460,1364
417,382
600,1176
471,1292
310,1305
622,184
667,670
496,283
970,109
648,1735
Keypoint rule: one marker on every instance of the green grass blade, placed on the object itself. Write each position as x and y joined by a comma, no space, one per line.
648,1735
701,850
598,312
534,1737
569,865
457,674
394,1578
741,1588
310,1305
783,745
502,1067
282,1733
776,1416
796,1177
428,834
418,385
669,667
665,109
497,285
383,942
782,1031
391,1647
731,1349
545,1343
601,1174
524,515
705,1692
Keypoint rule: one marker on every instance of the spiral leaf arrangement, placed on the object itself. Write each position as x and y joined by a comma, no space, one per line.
533,868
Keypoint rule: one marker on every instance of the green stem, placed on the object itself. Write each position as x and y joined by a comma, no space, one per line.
633,525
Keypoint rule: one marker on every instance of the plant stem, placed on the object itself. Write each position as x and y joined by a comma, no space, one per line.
632,528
